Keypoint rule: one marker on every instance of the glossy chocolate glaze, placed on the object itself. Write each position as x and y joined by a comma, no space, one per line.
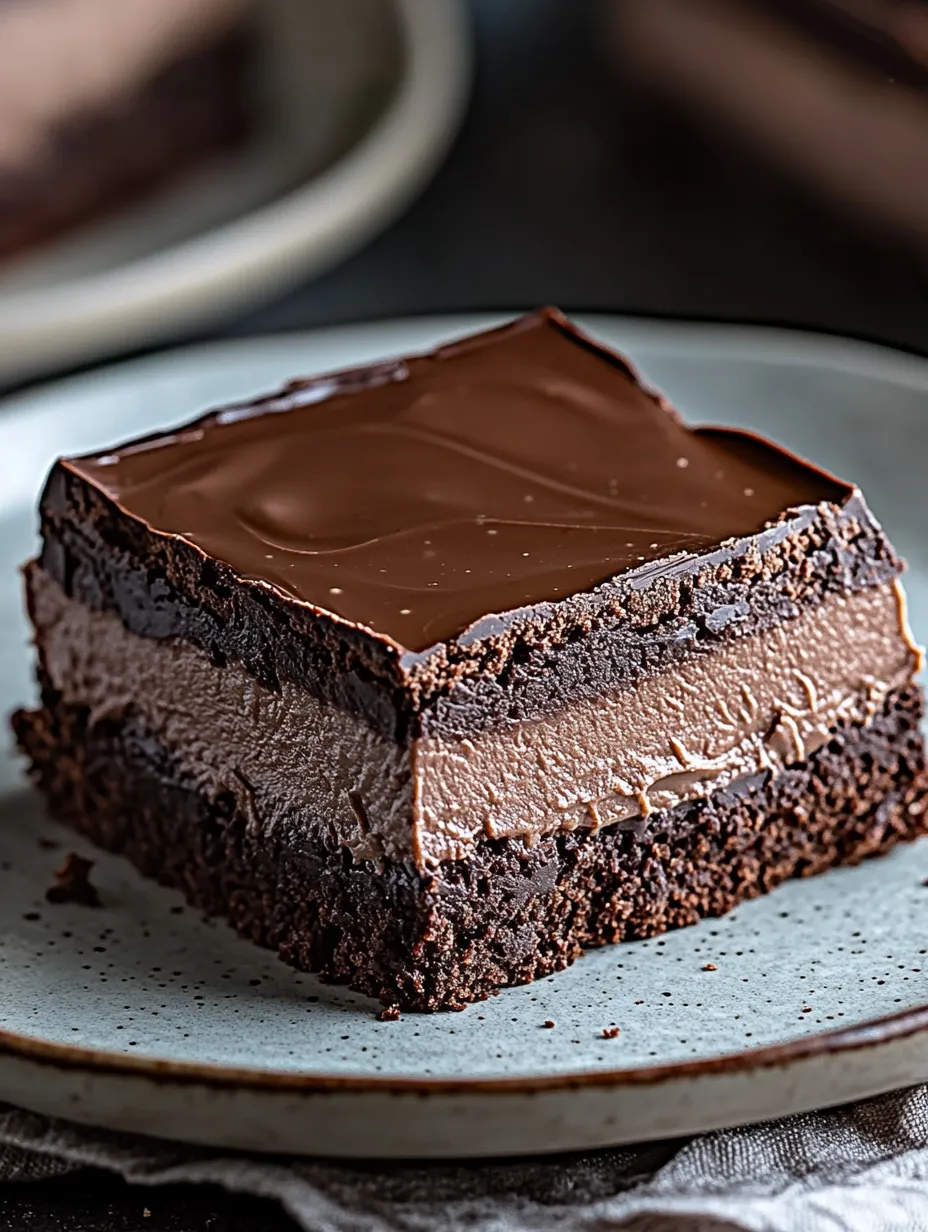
413,498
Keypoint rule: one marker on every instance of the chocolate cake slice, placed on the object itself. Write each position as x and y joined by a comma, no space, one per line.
431,673
105,101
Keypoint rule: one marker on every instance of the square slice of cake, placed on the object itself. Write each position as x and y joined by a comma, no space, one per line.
431,673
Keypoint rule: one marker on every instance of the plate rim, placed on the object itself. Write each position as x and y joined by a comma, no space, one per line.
874,1033
776,344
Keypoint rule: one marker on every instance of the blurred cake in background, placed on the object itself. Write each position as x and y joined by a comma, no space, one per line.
102,101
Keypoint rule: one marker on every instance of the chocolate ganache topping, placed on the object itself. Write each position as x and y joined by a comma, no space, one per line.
414,497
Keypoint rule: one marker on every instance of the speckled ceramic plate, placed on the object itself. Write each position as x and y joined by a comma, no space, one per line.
141,1015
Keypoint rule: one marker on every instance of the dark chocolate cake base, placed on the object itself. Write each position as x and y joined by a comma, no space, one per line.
509,914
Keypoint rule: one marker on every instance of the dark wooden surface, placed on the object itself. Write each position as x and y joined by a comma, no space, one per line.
565,186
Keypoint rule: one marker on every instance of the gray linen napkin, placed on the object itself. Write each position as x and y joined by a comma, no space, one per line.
863,1167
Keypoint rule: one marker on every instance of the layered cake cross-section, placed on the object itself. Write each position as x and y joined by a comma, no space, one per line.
431,673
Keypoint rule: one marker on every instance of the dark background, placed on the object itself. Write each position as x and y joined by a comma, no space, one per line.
567,185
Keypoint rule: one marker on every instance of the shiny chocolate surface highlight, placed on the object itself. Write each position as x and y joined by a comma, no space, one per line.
514,467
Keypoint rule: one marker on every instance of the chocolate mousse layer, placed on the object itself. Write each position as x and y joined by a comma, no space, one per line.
757,705
430,673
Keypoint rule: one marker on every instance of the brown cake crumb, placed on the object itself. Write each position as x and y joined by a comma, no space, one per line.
710,967
390,1013
610,1032
73,884
548,1022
